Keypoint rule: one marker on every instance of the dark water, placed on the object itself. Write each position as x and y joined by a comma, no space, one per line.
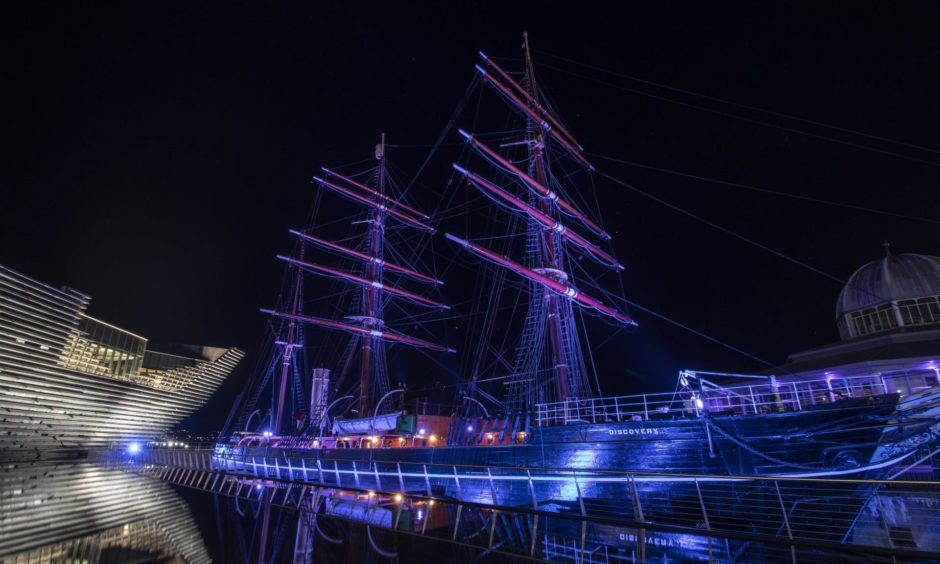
79,511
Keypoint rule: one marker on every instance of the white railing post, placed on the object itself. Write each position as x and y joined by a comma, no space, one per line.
708,526
638,511
786,520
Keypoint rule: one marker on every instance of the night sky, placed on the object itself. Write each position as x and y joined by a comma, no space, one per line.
154,155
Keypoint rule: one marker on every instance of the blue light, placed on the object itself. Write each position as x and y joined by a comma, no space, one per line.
421,431
133,448
268,433
469,427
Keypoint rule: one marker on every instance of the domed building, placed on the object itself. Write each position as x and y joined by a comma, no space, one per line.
898,291
888,316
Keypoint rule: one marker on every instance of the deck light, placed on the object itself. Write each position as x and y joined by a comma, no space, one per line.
397,498
133,448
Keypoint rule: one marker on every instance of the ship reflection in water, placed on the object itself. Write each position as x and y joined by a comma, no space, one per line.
358,527
87,512
364,526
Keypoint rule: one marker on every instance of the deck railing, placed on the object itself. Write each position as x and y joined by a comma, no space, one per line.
789,513
764,397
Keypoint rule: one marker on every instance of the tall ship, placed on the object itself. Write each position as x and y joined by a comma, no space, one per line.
527,232
70,383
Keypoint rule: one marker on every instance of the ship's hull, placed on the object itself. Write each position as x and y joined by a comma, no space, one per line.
689,474
606,456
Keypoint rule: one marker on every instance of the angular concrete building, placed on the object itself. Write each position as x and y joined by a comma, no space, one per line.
69,382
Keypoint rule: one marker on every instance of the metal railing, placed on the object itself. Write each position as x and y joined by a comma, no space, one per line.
797,512
721,400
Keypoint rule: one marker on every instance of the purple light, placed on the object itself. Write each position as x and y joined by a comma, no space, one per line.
421,431
469,427
268,434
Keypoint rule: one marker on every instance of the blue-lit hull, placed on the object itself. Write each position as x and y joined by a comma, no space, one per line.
838,441
680,472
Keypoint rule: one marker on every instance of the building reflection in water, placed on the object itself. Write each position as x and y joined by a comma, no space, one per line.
81,512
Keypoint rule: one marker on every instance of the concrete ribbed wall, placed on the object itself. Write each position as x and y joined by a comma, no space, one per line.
46,407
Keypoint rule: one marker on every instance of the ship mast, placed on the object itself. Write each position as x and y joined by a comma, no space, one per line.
550,321
551,264
287,353
368,323
372,295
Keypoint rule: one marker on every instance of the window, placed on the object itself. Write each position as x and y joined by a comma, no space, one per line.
929,310
873,320
920,312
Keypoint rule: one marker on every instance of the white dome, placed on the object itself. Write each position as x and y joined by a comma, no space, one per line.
893,278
